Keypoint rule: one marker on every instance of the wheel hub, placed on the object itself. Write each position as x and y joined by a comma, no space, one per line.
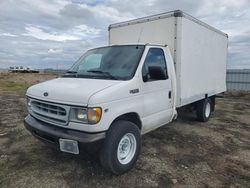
126,148
207,110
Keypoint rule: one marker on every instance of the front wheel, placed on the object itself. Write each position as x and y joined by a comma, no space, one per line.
121,147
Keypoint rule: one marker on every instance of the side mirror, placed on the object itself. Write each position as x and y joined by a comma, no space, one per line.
145,78
157,73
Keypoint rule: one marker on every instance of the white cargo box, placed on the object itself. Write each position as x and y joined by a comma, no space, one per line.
199,51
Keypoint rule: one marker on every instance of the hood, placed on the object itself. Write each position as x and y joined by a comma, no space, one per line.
74,91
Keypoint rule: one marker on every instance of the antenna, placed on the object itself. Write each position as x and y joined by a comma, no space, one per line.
139,38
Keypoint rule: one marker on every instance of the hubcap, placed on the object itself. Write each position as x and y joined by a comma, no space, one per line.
207,110
126,148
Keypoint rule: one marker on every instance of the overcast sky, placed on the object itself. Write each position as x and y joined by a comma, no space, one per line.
44,33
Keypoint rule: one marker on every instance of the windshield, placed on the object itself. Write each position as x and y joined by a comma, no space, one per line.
113,62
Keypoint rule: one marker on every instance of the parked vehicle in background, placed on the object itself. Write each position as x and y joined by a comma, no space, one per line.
22,69
115,94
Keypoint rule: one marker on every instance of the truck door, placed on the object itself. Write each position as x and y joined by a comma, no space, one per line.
157,91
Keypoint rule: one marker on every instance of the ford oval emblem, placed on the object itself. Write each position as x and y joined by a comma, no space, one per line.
45,94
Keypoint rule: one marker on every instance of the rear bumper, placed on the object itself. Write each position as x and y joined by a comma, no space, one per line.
51,134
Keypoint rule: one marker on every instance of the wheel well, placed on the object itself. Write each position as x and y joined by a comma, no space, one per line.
132,117
212,98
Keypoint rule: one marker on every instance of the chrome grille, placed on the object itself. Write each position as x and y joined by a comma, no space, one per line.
49,112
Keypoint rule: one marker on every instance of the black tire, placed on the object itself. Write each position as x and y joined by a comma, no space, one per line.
108,154
201,109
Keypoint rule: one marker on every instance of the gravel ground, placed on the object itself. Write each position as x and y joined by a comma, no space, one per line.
185,153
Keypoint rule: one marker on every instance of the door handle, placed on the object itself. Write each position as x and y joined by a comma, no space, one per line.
170,94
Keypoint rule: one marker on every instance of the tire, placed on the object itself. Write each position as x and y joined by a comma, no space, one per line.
114,147
204,109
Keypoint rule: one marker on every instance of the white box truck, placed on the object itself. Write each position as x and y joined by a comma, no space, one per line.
114,94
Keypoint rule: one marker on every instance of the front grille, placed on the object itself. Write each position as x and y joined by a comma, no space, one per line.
49,112
49,108
52,119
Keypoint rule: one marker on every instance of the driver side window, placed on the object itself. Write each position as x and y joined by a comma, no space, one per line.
155,57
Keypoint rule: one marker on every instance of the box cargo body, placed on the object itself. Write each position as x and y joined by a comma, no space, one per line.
199,51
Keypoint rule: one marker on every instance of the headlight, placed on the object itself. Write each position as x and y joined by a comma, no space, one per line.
83,115
78,115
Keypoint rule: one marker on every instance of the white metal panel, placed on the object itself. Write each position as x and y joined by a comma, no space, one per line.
175,13
177,58
159,32
203,62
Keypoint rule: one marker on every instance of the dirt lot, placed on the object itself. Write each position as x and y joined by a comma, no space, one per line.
185,153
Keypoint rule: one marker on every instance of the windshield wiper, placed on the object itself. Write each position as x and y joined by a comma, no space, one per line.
70,74
104,73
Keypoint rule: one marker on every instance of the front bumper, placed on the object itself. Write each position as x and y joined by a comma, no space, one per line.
51,134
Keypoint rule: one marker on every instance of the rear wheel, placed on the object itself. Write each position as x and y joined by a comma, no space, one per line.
121,147
204,109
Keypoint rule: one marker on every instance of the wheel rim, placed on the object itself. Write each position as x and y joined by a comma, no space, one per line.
207,110
126,148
